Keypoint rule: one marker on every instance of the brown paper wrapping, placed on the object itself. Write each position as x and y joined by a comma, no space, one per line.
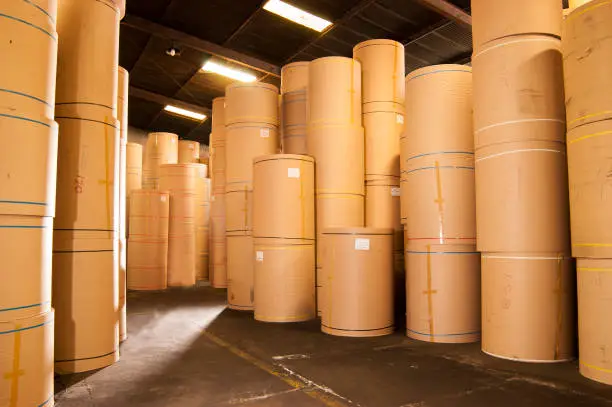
339,154
522,198
240,265
30,55
284,280
443,292
134,167
503,70
588,150
528,311
87,67
161,148
358,263
382,206
586,56
382,143
26,361
383,70
244,142
180,180
252,102
203,229
294,77
494,19
218,116
594,329
27,244
295,141
122,115
86,300
218,174
188,152
87,170
334,92
218,258
239,211
338,211
148,242
283,199
295,109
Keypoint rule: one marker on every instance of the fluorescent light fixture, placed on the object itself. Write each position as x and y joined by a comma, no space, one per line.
185,112
296,15
241,76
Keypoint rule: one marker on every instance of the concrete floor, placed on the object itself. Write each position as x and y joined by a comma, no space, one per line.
185,349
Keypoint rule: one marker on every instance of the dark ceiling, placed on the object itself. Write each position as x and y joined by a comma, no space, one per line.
246,33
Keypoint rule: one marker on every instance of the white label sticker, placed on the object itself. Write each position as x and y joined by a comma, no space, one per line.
400,119
259,256
293,172
265,133
202,172
163,198
362,244
396,191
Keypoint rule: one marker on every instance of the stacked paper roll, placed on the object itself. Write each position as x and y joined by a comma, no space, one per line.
586,54
203,228
188,152
218,240
86,236
335,138
122,115
294,97
252,126
521,178
161,149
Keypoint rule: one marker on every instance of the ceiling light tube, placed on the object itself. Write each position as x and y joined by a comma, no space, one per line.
296,15
228,72
186,113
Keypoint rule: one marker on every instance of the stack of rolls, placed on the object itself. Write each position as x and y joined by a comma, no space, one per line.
251,118
218,240
133,180
587,54
85,241
521,181
28,157
188,152
160,149
122,114
442,265
383,71
294,105
284,233
203,227
335,138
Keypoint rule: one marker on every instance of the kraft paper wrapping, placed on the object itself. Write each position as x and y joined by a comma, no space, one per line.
588,151
334,92
26,252
134,167
161,149
382,143
122,115
203,229
587,53
26,361
494,19
218,116
240,265
295,141
382,206
252,102
86,300
181,180
295,109
503,111
528,311
594,330
239,211
443,292
284,280
294,77
358,263
244,142
188,152
148,243
283,197
87,67
218,258
339,156
383,70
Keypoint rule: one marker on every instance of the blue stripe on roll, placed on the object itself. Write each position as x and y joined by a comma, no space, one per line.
446,167
440,71
42,10
14,92
29,24
12,331
10,116
440,152
24,307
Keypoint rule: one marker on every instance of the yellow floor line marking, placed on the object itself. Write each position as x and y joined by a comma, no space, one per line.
297,382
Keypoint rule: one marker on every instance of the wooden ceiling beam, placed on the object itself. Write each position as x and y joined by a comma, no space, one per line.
164,100
201,45
448,10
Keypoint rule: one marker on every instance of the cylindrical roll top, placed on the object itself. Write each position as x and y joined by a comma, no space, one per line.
255,102
81,26
383,67
161,148
586,56
334,92
495,19
358,263
148,241
188,152
294,77
181,181
283,197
